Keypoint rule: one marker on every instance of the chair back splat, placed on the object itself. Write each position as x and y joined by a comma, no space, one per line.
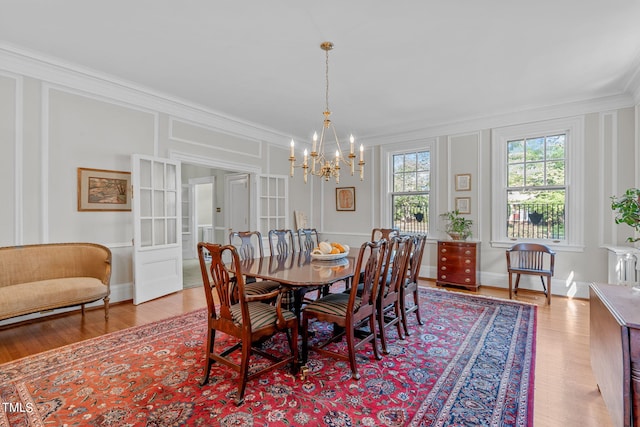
349,312
249,318
530,259
281,242
308,239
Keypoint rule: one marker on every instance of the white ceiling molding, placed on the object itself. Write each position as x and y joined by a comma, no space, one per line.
52,70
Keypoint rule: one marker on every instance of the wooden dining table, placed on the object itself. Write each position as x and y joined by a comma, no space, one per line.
300,272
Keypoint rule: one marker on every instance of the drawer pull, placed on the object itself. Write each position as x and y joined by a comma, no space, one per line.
467,261
444,259
444,276
467,252
443,268
443,250
467,280
467,271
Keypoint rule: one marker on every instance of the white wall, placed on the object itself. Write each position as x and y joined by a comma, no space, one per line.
54,120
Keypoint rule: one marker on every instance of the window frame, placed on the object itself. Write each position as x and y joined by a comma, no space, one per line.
573,128
388,152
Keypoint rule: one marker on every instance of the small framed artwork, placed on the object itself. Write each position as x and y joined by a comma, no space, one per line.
463,182
104,190
346,198
463,205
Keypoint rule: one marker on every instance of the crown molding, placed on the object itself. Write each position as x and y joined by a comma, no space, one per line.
499,120
53,70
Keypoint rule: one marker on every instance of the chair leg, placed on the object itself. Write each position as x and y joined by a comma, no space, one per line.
383,337
548,290
515,290
510,286
305,339
244,371
403,308
400,316
350,335
416,301
294,350
209,349
372,325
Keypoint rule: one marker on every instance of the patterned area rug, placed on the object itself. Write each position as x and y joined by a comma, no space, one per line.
472,363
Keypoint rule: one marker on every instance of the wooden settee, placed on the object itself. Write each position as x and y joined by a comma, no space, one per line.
35,278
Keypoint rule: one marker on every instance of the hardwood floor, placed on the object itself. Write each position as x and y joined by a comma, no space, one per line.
566,394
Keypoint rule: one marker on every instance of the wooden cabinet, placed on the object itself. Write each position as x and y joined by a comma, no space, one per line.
457,263
614,322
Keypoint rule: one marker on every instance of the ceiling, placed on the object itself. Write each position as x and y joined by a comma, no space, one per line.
396,66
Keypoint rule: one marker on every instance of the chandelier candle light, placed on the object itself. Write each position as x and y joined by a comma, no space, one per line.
322,165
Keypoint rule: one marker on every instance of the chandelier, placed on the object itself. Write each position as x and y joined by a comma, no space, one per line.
321,164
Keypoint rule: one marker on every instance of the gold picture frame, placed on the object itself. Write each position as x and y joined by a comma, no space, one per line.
463,205
103,190
346,198
463,182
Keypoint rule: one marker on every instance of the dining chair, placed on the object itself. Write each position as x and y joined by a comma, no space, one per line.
532,259
249,318
281,245
411,283
349,312
281,242
388,308
307,239
384,233
249,246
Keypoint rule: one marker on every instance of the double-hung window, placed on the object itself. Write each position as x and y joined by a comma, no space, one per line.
410,188
536,182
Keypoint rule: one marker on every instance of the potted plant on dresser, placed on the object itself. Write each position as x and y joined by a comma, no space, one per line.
457,226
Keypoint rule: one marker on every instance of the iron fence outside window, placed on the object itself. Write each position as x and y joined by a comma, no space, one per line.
411,213
536,221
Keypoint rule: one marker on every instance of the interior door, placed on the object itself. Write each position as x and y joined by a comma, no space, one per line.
157,243
238,202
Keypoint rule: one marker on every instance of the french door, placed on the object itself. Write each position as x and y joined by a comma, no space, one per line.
157,227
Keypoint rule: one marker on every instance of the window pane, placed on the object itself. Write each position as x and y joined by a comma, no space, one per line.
534,149
536,214
423,181
555,173
424,159
410,162
410,182
515,177
515,151
411,213
398,183
534,174
555,147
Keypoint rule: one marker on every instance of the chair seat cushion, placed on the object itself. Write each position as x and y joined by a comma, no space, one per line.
262,315
261,287
531,271
335,304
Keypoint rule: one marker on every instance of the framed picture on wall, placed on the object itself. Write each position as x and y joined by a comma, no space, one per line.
346,198
104,190
463,182
463,205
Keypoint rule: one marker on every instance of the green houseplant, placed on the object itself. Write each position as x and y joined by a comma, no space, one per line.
457,227
627,209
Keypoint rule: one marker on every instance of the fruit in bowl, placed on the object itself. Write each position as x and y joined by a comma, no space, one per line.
333,248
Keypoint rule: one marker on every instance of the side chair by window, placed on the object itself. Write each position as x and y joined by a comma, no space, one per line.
388,307
349,312
250,318
249,245
411,283
532,259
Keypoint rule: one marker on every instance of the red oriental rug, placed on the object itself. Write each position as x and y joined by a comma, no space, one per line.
471,363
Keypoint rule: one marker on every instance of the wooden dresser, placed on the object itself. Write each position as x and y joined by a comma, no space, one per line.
457,263
614,323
